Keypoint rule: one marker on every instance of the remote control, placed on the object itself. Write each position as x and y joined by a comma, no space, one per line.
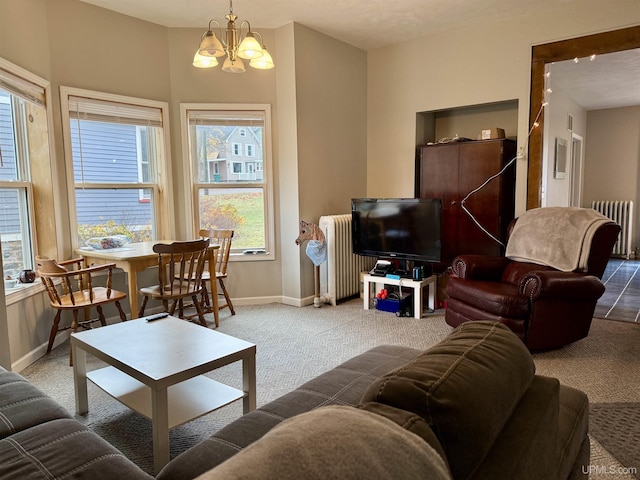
157,316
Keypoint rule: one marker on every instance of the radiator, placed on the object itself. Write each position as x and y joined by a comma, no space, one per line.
340,274
620,212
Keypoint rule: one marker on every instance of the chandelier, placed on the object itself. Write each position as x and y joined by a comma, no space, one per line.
249,48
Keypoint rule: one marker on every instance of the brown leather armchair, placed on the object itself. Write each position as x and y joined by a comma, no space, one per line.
545,307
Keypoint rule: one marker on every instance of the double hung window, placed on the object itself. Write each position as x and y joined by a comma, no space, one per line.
23,147
231,184
116,160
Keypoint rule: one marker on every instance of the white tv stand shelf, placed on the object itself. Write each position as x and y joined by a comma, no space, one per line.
417,286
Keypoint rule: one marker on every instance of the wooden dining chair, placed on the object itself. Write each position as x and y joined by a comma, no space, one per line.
180,269
222,237
72,287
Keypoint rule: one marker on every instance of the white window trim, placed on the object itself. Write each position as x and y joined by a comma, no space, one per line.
165,222
191,207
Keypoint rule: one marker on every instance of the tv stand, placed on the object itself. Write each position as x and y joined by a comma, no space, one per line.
417,286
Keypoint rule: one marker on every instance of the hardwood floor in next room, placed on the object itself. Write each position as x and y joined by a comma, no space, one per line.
621,299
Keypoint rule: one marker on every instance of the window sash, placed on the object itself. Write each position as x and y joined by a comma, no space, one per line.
256,115
149,183
22,257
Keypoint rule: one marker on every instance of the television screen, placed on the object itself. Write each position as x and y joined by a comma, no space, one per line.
402,228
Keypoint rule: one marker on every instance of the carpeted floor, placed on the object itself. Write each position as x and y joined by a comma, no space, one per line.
617,427
296,344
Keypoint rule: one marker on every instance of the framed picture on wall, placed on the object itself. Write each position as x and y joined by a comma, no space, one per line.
561,158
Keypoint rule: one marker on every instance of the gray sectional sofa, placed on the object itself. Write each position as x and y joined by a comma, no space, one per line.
470,407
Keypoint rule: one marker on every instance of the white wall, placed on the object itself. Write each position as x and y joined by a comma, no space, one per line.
556,191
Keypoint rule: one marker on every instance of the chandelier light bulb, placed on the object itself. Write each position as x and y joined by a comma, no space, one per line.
202,61
249,48
265,62
233,66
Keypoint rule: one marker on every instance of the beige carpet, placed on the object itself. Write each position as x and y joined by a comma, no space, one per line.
296,344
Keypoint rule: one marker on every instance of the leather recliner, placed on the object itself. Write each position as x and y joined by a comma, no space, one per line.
545,307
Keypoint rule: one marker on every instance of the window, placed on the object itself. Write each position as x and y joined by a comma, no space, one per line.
243,132
249,150
115,149
237,196
23,147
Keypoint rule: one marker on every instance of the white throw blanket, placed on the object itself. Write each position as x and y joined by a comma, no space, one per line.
559,237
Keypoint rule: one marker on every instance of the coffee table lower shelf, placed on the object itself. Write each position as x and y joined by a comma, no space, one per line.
187,400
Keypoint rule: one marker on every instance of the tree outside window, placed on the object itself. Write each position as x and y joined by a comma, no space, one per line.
231,192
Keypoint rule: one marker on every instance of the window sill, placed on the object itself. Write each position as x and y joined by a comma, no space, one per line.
256,257
22,291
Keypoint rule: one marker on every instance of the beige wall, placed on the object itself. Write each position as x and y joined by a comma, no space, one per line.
612,158
331,111
476,65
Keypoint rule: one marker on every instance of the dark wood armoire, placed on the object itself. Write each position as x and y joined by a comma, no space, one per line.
451,172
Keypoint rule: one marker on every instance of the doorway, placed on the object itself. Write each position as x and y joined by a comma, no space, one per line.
577,166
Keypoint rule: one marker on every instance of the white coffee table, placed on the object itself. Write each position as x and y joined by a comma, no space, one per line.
155,368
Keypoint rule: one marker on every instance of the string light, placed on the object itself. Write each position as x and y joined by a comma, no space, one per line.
535,124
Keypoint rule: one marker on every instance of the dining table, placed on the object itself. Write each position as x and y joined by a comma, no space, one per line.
136,257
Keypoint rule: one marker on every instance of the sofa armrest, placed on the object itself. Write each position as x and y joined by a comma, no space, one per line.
568,285
479,267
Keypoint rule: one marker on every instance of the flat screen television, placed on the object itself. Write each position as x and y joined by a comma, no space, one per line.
397,228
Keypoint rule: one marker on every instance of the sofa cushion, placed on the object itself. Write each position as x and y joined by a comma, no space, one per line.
466,388
573,442
334,442
63,448
342,385
527,447
23,405
407,420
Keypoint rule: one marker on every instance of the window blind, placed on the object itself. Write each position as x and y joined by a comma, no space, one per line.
226,118
22,88
104,111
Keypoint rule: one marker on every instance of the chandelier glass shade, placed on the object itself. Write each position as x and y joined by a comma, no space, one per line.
249,48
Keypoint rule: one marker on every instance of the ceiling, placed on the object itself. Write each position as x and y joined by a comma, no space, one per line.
366,24
611,81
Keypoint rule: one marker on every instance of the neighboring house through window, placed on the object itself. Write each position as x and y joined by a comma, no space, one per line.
231,183
115,148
